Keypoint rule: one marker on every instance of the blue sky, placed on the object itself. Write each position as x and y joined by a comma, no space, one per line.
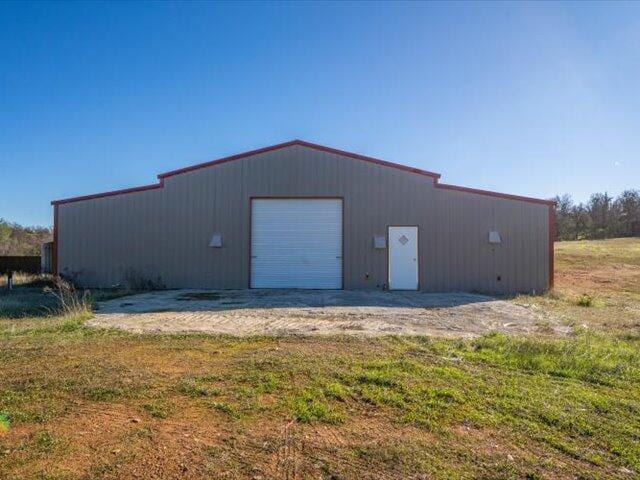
533,99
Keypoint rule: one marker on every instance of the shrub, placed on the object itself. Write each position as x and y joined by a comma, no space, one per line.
585,300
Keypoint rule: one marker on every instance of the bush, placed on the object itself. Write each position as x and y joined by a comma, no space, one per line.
585,300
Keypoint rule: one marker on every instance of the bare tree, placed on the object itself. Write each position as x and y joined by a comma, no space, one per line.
601,217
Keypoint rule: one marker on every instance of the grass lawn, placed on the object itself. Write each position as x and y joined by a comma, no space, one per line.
88,403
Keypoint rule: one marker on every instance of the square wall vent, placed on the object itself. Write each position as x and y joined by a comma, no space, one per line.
494,237
216,241
379,241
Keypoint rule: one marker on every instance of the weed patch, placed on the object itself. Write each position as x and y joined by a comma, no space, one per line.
584,300
5,422
310,406
44,441
157,409
100,394
198,387
225,408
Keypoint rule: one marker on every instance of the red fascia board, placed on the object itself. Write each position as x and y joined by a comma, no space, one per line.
314,146
250,153
302,143
108,194
494,194
364,158
219,161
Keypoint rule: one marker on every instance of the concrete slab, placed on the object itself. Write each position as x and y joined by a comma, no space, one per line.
312,312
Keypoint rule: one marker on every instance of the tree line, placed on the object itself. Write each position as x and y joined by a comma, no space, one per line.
18,240
602,216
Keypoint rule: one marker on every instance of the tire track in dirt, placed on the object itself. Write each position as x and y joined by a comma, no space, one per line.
287,456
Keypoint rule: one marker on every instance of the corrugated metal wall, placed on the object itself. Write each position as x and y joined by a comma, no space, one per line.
164,233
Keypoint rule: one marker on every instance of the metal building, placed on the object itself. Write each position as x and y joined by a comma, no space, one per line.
300,215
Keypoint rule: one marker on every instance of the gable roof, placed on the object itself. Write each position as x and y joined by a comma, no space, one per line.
356,156
301,143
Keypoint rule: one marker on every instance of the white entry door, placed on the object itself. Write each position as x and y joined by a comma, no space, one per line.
296,243
403,258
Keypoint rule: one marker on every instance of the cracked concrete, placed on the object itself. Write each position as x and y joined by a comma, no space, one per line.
310,312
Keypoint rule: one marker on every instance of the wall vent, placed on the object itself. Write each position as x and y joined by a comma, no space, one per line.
379,241
216,241
494,237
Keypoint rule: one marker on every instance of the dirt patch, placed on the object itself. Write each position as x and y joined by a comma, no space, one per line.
291,312
605,281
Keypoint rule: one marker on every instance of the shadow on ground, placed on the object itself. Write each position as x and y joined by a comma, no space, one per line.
219,300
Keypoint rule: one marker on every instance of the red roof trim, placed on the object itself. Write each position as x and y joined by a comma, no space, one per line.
109,194
494,194
303,144
250,153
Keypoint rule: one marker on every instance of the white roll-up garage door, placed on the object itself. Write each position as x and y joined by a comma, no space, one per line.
296,243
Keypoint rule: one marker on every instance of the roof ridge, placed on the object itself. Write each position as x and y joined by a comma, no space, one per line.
303,143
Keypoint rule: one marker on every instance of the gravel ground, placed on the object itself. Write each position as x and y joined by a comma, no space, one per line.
308,312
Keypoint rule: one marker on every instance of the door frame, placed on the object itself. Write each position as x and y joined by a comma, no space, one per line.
418,252
271,197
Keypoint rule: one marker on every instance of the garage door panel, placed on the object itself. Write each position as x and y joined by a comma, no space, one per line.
296,243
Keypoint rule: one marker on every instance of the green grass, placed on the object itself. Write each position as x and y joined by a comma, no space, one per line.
310,406
5,422
198,387
77,402
575,401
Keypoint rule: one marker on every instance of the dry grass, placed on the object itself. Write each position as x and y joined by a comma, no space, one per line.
42,296
597,285
89,403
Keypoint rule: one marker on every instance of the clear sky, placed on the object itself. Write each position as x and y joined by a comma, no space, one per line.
533,99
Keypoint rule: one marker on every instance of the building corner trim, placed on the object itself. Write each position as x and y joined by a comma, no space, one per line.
54,250
552,239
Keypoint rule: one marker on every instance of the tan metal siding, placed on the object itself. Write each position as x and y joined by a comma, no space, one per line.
165,232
